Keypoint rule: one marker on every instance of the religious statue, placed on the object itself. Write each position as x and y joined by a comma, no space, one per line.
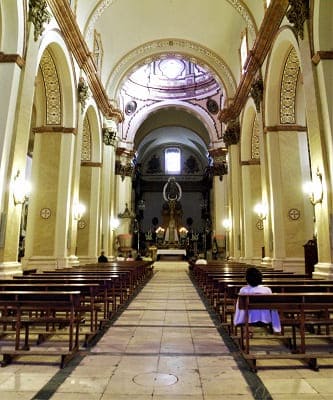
172,194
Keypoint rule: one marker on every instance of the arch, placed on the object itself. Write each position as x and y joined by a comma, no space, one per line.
64,66
12,35
199,113
322,25
95,132
287,148
193,51
247,126
282,46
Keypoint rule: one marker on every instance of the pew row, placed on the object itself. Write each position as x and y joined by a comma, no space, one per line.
298,312
22,310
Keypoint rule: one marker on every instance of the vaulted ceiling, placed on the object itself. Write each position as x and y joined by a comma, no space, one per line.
134,33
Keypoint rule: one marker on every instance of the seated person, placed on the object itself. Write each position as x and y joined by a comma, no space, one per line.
201,261
254,286
102,258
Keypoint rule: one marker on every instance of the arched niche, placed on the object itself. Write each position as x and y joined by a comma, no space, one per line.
282,46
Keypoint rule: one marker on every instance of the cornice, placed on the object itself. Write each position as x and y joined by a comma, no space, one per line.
250,162
54,129
121,151
12,58
77,45
91,164
268,29
218,152
285,128
322,55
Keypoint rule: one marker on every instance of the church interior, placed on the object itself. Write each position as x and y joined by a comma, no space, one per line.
165,132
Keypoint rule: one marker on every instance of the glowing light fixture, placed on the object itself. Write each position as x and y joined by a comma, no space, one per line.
314,189
114,223
261,210
21,189
78,211
226,223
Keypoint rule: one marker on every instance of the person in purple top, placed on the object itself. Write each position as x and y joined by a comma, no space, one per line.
254,286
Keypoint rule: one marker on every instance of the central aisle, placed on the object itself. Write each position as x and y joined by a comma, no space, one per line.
163,346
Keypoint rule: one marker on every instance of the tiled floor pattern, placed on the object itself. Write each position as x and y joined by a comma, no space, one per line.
164,346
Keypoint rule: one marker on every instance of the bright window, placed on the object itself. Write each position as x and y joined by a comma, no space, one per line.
243,50
172,160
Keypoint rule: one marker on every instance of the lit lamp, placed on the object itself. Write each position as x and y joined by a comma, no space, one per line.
183,231
159,233
314,189
114,223
21,189
261,210
226,223
78,211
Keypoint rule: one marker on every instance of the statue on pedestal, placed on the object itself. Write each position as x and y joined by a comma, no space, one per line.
172,194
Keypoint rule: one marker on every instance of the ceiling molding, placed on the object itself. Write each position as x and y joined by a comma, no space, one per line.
267,32
66,20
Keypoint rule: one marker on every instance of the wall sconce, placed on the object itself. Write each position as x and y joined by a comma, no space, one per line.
226,223
314,189
21,189
78,211
114,223
261,210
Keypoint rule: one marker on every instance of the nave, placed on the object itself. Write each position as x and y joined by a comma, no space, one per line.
164,345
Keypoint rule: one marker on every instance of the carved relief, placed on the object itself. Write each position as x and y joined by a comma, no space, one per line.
297,14
255,154
288,89
109,136
124,169
86,141
98,52
232,133
83,92
256,92
38,15
52,89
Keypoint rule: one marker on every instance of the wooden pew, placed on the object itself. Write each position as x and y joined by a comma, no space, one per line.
123,280
23,309
106,296
89,294
297,310
221,299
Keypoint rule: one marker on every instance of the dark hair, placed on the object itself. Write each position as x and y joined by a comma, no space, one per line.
253,276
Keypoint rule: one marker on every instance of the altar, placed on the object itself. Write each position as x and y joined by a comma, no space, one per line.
171,252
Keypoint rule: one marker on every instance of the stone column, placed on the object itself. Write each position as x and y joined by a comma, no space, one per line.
17,91
320,144
51,227
108,212
123,191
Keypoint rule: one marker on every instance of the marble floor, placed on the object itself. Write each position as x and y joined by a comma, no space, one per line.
163,346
